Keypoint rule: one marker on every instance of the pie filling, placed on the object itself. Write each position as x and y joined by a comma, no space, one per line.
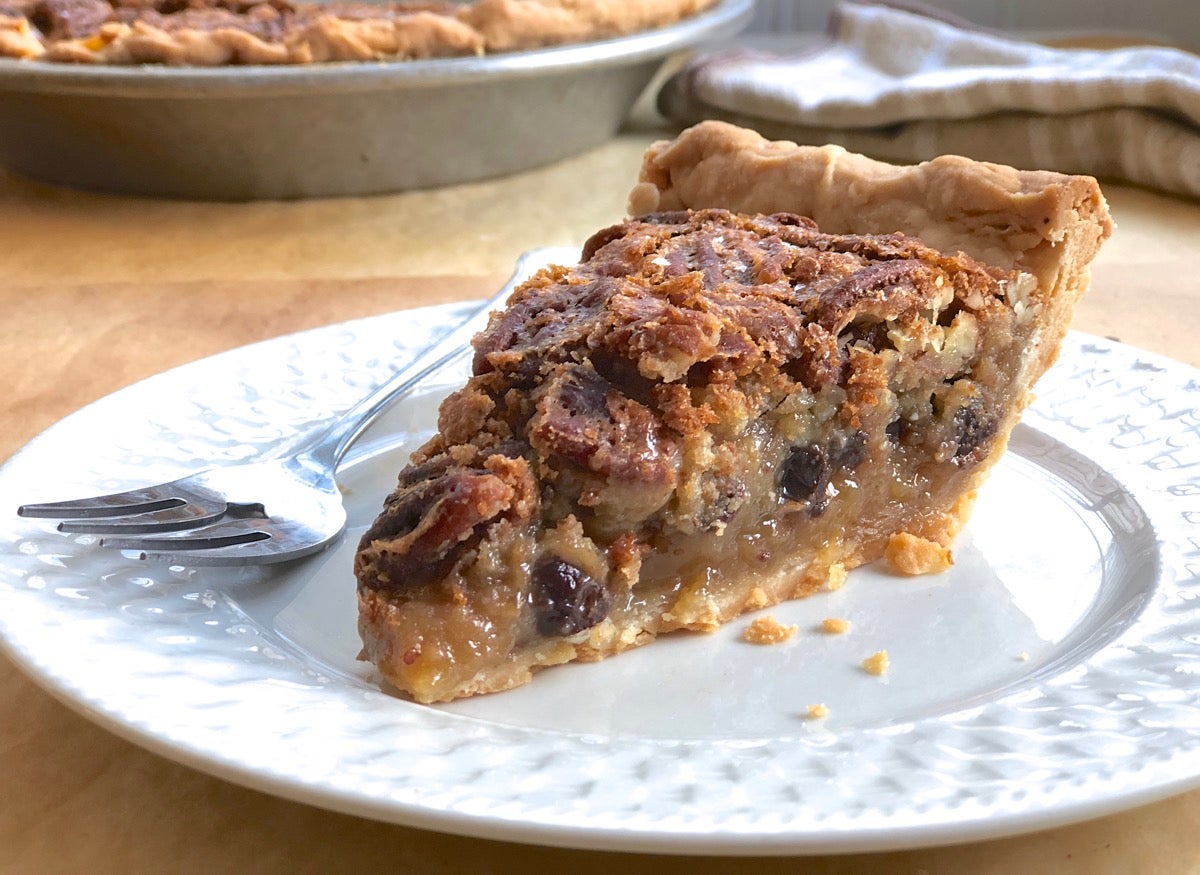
711,413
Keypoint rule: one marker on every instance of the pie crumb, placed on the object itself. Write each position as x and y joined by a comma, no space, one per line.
1024,657
913,555
817,711
835,625
877,663
837,577
768,630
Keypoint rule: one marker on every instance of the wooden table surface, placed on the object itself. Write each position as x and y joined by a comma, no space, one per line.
99,291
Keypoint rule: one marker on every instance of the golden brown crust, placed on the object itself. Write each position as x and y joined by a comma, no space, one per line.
224,32
506,25
999,215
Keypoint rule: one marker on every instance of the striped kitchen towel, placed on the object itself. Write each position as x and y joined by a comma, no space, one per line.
903,83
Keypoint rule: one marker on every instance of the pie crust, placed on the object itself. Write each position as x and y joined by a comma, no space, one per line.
223,32
716,411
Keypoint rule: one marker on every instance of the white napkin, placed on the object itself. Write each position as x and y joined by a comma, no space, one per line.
903,84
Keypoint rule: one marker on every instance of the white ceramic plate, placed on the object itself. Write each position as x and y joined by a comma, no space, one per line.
1052,675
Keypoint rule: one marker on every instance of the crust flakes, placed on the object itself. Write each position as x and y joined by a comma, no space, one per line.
877,663
768,630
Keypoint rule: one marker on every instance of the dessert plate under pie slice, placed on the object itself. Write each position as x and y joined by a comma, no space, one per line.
1052,675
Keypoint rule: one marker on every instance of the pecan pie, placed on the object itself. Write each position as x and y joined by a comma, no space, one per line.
716,411
218,32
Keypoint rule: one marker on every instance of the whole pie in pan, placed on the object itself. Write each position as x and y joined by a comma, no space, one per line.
220,32
792,361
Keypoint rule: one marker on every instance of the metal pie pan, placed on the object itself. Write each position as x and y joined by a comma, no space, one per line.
255,132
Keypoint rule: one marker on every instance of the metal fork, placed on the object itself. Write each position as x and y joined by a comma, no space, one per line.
274,509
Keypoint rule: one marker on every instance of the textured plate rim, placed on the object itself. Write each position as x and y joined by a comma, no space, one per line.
1158,779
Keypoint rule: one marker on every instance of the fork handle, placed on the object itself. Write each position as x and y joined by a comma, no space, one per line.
327,447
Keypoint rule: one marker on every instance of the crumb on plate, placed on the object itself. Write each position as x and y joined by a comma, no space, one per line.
767,630
835,625
877,663
817,711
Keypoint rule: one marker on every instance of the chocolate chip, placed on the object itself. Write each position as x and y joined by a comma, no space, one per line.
567,600
972,429
805,473
895,430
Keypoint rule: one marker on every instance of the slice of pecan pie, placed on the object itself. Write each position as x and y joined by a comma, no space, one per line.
716,411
